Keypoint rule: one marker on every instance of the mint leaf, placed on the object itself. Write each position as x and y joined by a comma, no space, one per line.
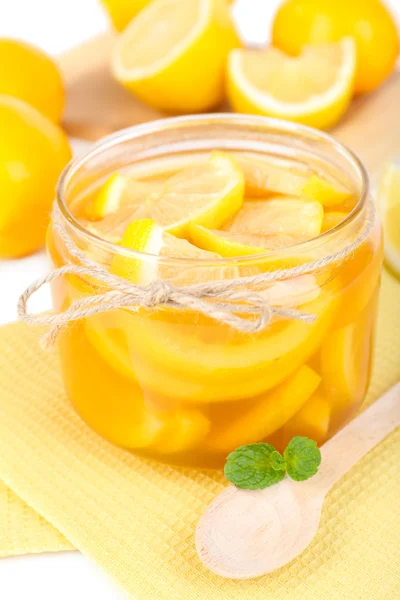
250,467
278,463
302,458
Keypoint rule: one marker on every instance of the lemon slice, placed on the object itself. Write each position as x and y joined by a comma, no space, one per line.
314,88
345,362
208,194
268,413
332,219
108,200
173,54
230,244
176,359
110,343
264,176
113,226
111,210
288,216
293,292
311,421
185,428
144,235
126,423
133,424
389,206
117,192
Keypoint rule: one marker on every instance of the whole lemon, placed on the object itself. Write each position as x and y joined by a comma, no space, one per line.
29,74
300,22
33,152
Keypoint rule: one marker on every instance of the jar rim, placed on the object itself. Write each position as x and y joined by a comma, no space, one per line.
130,133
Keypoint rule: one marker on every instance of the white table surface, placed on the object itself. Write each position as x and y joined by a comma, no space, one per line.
56,25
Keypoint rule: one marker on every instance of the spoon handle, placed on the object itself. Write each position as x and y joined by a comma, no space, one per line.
348,446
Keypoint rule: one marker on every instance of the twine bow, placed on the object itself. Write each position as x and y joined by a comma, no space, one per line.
229,301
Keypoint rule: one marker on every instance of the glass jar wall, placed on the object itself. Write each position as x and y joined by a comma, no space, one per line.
182,387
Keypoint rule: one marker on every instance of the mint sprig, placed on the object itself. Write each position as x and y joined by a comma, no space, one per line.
250,467
258,466
302,457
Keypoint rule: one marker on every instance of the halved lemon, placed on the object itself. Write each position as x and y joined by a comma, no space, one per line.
121,12
314,88
144,235
209,194
120,191
267,414
173,54
265,176
389,206
287,216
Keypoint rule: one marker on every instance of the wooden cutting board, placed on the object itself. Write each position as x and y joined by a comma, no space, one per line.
97,105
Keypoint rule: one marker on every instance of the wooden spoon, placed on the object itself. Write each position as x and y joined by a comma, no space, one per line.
245,534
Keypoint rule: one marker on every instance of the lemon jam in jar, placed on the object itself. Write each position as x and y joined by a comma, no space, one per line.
280,211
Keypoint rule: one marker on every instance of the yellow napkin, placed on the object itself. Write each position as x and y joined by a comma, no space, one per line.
136,518
23,531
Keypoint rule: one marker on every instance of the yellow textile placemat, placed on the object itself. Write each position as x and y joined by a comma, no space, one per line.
136,518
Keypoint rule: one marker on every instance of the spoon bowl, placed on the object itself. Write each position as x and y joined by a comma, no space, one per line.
272,527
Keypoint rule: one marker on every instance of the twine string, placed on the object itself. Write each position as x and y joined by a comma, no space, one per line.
230,301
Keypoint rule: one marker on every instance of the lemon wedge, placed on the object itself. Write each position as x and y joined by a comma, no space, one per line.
208,194
173,54
144,235
389,207
314,88
264,176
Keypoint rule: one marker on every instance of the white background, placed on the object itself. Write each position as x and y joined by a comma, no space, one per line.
56,25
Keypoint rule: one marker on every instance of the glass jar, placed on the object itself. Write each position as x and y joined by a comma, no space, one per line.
185,388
